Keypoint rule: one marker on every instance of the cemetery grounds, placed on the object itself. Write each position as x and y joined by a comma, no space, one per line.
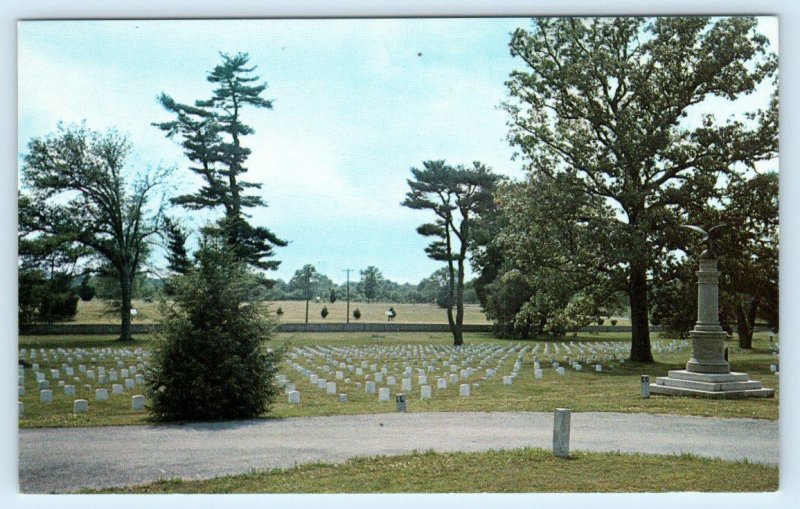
336,374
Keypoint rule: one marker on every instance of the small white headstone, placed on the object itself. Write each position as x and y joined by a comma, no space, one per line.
69,390
441,383
538,373
370,387
378,377
129,383
322,383
507,380
560,370
90,374
598,367
330,388
80,406
340,375
453,378
425,392
406,384
294,397
116,389
392,380
773,368
124,373
113,376
383,394
313,379
101,394
137,402
422,380
463,390
39,377
342,398
46,396
138,379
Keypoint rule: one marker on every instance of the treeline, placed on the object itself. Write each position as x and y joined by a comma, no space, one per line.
371,287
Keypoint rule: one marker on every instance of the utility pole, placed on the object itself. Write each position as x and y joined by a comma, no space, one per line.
348,293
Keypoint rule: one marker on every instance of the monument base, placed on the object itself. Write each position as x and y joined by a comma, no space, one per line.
710,385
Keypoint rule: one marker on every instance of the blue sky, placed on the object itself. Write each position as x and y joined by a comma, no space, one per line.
357,104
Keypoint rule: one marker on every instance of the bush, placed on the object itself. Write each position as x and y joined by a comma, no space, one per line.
279,311
324,312
613,322
210,362
356,313
85,290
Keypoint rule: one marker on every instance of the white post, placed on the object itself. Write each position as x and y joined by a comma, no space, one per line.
561,432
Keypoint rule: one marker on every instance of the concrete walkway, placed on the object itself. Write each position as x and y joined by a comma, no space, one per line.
67,459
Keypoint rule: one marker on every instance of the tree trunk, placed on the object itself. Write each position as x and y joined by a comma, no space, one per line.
458,334
640,328
745,323
126,285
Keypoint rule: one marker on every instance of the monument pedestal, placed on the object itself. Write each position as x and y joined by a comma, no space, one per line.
730,385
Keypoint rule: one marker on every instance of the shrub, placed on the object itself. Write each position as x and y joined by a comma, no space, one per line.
324,312
613,322
85,290
211,362
356,313
279,311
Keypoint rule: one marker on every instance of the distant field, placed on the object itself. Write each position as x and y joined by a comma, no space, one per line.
98,311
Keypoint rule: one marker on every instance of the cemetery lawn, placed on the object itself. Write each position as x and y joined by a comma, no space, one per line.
616,389
515,471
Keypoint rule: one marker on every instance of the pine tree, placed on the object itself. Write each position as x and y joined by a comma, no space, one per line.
211,132
177,258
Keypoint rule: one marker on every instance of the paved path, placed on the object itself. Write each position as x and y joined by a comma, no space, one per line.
66,459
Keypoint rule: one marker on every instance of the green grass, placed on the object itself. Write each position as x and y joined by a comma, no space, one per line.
514,471
98,311
614,390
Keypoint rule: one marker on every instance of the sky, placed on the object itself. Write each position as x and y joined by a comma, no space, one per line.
357,103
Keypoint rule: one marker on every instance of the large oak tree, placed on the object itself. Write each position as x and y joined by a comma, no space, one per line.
611,98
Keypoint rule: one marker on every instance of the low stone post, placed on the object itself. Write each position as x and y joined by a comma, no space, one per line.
561,432
645,386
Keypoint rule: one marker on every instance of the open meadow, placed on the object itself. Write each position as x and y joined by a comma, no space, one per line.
501,376
99,311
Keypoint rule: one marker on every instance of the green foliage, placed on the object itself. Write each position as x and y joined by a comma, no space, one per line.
177,258
108,216
211,362
356,313
332,296
210,132
85,291
544,262
279,311
324,312
371,283
456,196
609,98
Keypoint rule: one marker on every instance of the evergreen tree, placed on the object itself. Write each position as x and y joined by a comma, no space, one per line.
210,132
211,362
456,196
177,258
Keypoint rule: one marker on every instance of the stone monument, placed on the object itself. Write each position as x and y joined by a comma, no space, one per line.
708,373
